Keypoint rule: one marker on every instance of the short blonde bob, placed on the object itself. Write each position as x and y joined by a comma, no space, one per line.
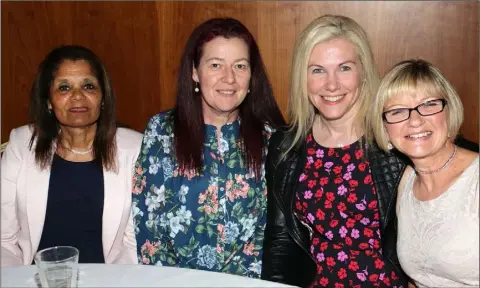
414,77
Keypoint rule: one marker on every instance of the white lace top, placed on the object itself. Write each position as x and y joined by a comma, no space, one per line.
438,240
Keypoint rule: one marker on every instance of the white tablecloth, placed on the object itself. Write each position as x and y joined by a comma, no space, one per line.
102,275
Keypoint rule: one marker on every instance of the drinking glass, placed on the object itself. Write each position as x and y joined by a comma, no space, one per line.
58,266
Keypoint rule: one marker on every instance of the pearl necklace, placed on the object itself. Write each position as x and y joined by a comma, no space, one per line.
79,152
444,165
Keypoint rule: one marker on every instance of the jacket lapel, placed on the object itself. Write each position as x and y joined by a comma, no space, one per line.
36,202
114,201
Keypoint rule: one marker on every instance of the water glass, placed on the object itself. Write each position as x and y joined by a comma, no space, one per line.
58,266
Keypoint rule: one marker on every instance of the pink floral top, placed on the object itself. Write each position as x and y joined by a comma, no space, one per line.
337,199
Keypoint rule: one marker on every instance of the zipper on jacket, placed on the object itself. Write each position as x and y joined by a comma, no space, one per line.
290,231
293,234
310,230
298,241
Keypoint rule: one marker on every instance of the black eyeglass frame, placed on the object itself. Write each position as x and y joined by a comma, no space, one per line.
443,101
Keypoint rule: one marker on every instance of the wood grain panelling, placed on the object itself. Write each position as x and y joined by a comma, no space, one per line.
141,44
123,34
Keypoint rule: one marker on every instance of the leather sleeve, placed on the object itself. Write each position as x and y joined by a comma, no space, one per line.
277,243
284,259
277,246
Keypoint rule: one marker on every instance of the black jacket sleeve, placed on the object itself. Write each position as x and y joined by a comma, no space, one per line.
277,239
278,246
283,259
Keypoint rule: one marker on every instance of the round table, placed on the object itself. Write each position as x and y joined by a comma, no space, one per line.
104,275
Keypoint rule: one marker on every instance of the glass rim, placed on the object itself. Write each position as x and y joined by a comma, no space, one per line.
37,255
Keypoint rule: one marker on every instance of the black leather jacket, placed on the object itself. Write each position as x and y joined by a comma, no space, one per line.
286,256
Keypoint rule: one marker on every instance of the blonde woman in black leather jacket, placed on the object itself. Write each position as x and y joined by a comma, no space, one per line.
331,197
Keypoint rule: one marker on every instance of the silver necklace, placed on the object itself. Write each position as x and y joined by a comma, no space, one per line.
79,152
444,165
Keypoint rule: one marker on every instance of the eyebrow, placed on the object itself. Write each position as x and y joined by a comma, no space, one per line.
402,106
221,59
340,64
88,78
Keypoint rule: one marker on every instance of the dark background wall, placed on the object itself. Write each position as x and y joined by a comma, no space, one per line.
141,43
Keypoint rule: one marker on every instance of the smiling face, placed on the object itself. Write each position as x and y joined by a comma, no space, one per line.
75,95
419,136
224,76
334,79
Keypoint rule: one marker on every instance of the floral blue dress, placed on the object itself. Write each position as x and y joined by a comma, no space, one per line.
214,221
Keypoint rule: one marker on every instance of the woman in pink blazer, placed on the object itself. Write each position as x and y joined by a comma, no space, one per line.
67,176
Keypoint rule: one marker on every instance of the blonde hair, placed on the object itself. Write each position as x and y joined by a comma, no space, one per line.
300,111
413,77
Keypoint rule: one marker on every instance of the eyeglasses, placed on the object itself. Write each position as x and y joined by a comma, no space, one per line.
428,108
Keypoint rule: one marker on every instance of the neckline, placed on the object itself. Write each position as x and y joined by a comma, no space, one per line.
235,123
344,147
445,193
73,162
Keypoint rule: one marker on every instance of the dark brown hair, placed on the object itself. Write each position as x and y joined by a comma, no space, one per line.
45,124
259,106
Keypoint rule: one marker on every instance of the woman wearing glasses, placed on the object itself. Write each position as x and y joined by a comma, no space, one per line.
419,113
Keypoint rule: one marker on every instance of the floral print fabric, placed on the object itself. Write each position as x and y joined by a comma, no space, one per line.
213,221
336,198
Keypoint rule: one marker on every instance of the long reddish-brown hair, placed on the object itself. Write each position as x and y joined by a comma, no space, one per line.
259,106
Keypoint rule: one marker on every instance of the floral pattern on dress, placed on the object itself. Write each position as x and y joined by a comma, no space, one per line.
336,198
214,221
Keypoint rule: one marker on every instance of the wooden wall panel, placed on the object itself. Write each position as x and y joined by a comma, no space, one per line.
28,32
141,44
123,34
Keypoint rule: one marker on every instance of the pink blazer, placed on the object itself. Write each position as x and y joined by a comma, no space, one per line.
24,201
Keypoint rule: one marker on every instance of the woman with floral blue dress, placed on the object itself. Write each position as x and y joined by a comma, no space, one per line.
199,195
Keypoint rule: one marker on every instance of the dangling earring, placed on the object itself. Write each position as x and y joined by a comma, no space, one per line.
448,135
103,104
389,146
248,91
196,87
